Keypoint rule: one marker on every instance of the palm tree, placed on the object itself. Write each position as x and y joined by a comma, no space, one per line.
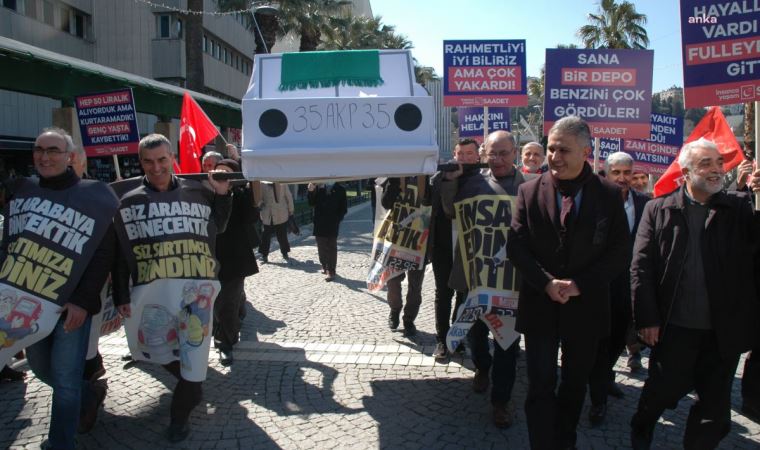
194,76
354,33
616,25
308,18
303,17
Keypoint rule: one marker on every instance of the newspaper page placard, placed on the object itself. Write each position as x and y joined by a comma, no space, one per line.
168,240
482,223
400,240
51,239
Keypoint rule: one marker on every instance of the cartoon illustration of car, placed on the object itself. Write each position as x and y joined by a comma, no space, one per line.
299,126
195,317
157,335
21,320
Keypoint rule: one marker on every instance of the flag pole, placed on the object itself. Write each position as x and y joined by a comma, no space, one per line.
757,151
597,145
116,166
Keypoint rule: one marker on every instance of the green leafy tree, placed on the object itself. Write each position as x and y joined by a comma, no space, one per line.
615,25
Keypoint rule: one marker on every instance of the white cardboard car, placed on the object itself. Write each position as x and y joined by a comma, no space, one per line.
341,132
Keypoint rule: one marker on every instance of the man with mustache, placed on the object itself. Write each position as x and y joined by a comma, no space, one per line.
694,296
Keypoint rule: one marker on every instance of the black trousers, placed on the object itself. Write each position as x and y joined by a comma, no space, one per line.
553,413
413,294
442,264
281,231
751,378
685,360
187,395
502,365
608,352
227,320
327,249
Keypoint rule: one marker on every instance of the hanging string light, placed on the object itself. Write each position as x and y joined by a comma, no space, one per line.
197,13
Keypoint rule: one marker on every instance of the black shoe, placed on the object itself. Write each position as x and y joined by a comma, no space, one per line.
641,439
634,362
225,358
178,432
8,374
597,413
751,410
614,390
394,319
264,259
441,352
127,357
409,329
480,381
285,256
88,416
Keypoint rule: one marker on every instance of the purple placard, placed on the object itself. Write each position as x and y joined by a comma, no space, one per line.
484,73
653,155
108,122
471,121
610,89
721,52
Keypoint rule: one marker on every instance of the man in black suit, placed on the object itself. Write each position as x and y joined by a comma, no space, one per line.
569,239
618,169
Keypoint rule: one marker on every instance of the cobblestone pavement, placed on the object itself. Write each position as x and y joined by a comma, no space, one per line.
318,368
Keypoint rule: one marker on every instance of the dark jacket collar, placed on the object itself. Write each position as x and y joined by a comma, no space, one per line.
677,199
172,184
59,182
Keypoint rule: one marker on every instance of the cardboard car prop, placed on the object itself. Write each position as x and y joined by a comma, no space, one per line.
326,115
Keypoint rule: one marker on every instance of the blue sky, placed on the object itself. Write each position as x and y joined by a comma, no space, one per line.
542,23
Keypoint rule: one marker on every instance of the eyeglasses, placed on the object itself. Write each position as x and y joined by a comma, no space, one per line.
500,155
50,151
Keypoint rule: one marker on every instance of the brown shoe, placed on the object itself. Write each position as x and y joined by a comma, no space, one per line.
503,415
480,381
89,415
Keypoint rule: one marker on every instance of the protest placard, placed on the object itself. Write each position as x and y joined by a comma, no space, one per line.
721,52
484,73
108,123
471,121
653,155
610,89
400,240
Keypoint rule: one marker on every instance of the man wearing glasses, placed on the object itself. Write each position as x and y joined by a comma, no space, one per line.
61,239
500,180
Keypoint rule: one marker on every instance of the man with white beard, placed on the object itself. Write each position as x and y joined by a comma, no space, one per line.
694,296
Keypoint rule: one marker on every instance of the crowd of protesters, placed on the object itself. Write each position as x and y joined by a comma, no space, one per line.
602,268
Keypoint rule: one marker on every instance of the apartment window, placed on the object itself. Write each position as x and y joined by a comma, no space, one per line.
226,56
217,50
31,10
48,13
164,26
65,20
205,44
80,26
16,5
178,28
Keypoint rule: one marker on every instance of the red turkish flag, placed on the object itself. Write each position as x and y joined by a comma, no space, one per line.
195,130
712,127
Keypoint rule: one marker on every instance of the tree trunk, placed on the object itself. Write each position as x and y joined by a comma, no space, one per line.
749,130
268,26
309,41
194,78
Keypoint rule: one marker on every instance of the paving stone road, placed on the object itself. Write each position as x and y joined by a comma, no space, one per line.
317,367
